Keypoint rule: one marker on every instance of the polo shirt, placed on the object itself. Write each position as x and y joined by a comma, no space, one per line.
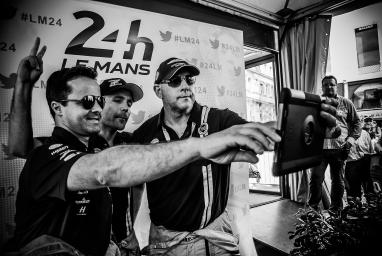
43,199
190,198
122,197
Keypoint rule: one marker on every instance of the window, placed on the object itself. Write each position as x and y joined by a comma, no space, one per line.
261,107
367,49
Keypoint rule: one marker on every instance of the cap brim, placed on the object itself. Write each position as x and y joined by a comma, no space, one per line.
194,71
135,90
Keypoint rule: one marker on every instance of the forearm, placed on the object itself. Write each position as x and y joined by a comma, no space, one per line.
129,165
20,134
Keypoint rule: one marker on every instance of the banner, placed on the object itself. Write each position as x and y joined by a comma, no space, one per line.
125,43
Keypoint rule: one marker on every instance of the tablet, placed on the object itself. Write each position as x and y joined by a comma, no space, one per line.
302,132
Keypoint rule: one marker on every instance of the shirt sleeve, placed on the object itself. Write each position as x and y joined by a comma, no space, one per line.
355,125
230,118
47,169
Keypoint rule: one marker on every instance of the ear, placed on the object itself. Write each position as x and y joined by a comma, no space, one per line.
57,108
158,91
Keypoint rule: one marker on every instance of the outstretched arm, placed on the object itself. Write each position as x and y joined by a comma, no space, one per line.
20,133
129,165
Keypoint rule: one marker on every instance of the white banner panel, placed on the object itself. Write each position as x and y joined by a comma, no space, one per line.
126,43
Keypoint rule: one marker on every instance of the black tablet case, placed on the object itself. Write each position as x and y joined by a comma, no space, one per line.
302,132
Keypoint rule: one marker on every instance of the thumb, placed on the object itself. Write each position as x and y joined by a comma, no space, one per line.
245,156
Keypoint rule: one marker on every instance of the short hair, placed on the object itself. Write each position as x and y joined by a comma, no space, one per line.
329,77
57,87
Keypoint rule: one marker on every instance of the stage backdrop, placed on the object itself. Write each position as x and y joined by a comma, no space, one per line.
126,43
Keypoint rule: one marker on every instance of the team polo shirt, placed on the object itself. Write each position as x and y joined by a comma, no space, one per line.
43,199
193,196
122,200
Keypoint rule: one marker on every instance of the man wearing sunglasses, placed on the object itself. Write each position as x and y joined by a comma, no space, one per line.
188,207
118,97
63,197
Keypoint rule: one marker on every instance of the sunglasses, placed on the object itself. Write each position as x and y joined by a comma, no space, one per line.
88,101
176,81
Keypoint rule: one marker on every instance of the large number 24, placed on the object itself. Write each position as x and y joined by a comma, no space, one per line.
76,46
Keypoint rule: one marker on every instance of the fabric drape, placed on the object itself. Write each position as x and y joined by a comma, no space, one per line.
304,52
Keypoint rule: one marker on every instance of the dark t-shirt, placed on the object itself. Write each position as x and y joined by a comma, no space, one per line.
43,199
191,197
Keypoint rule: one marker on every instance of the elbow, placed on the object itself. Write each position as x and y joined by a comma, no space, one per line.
15,151
108,177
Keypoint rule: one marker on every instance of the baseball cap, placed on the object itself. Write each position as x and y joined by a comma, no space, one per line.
112,85
168,68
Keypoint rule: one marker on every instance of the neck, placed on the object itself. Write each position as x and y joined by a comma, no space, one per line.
176,120
108,134
82,138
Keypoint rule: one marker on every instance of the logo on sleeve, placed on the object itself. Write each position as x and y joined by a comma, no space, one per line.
54,146
154,141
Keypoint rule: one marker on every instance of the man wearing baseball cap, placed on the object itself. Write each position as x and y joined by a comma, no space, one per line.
119,97
188,207
63,198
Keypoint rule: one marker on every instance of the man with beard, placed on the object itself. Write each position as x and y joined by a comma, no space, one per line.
336,150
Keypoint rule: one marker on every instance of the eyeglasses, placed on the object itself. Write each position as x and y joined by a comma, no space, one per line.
88,101
176,81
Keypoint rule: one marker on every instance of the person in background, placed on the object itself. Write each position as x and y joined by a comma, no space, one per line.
357,171
336,150
188,208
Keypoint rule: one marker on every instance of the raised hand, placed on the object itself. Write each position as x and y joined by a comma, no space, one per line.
31,67
240,143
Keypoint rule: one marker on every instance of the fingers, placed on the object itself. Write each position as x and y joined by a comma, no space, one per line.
245,156
266,130
39,59
331,101
328,108
35,47
35,58
330,120
41,52
259,138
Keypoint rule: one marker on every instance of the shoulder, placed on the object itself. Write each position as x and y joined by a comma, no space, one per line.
148,124
145,130
54,152
124,137
225,117
346,101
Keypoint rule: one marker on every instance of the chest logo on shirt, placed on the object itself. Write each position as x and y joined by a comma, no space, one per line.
154,141
82,203
96,150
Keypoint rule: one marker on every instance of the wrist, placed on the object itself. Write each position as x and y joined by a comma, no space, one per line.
193,144
23,86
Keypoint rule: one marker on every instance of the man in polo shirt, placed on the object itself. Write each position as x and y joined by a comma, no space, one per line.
63,187
119,97
188,207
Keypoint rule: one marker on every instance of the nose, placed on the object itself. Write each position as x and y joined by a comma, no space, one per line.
97,107
184,85
125,108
